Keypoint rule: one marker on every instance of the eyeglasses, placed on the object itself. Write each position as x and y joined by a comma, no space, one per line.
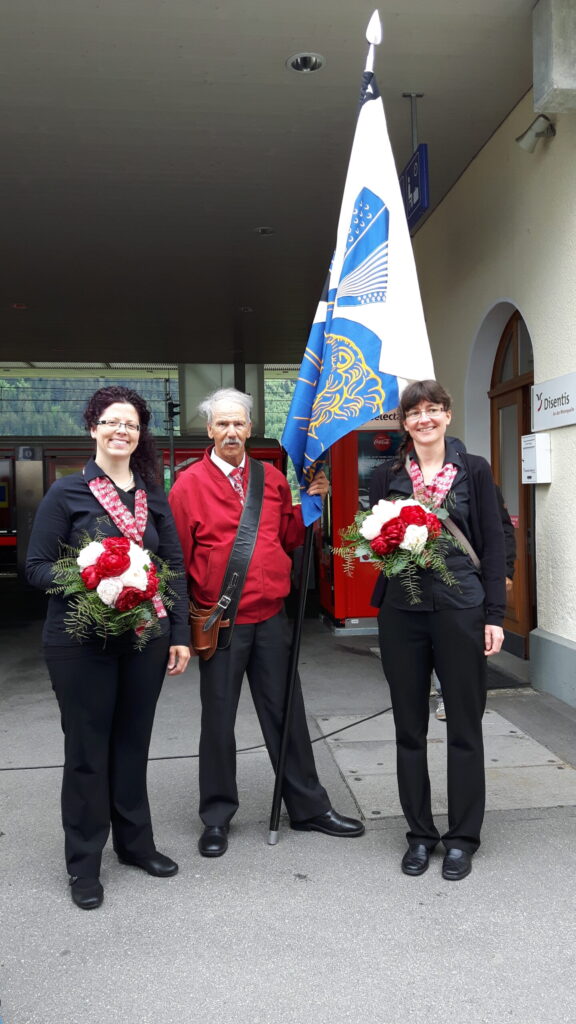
433,412
114,424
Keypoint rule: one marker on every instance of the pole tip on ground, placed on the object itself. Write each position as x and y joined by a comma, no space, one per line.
272,838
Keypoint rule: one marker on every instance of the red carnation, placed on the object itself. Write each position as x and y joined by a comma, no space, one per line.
391,535
379,546
91,576
129,598
434,525
113,562
153,582
117,545
413,515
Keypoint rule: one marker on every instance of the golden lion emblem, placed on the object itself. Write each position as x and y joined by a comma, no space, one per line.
351,385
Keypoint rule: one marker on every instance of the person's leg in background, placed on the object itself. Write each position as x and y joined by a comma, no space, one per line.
440,712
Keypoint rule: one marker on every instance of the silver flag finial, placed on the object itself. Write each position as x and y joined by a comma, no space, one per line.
374,37
374,30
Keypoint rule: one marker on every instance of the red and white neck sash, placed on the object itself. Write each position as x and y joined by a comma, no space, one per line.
434,492
131,526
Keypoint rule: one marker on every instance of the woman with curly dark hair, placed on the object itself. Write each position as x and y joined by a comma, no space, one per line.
107,691
452,629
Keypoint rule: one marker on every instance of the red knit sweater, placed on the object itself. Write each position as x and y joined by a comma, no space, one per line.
207,512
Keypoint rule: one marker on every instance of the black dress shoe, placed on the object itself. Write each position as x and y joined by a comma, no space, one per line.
416,860
332,824
156,864
457,864
87,893
214,841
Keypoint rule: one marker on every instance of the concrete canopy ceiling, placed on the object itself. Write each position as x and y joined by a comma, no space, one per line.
145,141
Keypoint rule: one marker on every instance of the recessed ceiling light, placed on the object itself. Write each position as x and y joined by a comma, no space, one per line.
306,63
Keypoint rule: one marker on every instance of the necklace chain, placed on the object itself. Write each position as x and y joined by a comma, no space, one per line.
129,482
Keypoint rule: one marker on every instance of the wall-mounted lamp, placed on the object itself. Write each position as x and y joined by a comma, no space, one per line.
541,128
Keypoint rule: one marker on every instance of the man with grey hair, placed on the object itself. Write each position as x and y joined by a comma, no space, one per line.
207,501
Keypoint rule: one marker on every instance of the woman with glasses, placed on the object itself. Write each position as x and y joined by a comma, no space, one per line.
451,629
107,691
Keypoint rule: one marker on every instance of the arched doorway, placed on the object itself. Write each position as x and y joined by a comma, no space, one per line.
512,378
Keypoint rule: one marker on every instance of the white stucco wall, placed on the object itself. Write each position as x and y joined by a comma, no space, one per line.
505,238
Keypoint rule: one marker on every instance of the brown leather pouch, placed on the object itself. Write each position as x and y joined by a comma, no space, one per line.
204,641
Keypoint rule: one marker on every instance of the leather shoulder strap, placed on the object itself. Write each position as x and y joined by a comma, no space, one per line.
462,539
455,530
241,554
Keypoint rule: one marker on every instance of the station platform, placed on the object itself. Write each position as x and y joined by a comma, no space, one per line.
314,930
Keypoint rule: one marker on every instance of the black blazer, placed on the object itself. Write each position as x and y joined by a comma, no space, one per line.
485,533
67,510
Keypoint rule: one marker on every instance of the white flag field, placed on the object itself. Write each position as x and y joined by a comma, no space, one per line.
369,335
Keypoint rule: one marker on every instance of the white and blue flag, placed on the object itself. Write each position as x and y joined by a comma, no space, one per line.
369,336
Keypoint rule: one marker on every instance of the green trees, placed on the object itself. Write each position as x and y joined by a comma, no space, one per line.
277,397
52,406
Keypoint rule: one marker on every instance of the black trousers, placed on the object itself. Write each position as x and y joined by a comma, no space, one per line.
261,650
412,643
107,700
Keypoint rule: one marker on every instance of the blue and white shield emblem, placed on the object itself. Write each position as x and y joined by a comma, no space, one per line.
364,277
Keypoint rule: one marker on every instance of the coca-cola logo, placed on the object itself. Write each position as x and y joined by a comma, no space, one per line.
382,442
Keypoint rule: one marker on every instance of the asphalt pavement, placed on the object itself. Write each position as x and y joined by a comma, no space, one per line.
313,930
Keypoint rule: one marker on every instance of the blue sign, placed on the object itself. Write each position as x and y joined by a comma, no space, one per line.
414,185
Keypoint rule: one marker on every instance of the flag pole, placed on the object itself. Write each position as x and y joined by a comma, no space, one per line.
291,685
374,37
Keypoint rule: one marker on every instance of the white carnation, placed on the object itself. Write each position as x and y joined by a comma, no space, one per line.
385,510
404,502
90,554
139,557
414,538
371,527
135,576
108,590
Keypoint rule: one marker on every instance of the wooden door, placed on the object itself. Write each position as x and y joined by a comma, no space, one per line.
510,417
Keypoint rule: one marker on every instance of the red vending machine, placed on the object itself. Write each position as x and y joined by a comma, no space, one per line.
345,600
